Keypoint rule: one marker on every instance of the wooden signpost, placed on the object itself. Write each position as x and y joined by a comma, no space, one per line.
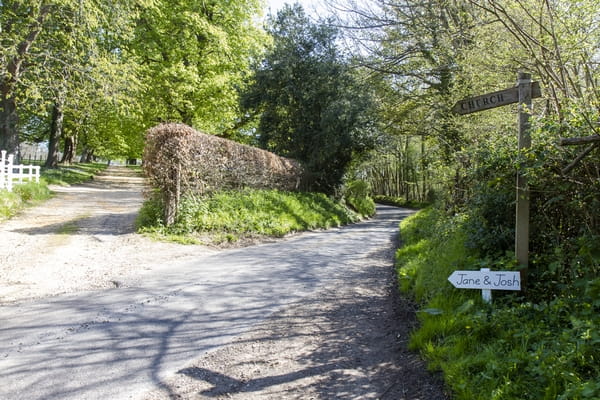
523,93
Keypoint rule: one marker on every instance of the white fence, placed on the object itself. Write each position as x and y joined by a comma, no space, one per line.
10,172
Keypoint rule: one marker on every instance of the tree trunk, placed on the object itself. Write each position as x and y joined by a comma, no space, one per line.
9,137
172,197
69,149
55,134
87,156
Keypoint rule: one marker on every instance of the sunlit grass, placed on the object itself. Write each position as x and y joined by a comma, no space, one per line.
512,349
72,174
230,216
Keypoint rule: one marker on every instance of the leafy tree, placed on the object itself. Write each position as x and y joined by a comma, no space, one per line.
69,59
193,56
21,23
311,103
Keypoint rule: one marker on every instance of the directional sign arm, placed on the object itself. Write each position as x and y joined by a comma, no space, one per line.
495,280
493,100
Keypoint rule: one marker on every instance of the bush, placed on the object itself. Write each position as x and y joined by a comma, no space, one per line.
179,159
357,196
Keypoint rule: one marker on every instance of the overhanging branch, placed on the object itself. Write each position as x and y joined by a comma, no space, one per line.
579,140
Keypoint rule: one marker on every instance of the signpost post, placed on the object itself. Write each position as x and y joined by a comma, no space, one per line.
523,93
522,219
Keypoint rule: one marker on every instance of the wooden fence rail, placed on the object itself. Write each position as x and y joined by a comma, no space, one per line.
9,172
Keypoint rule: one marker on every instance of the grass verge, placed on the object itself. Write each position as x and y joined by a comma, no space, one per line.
230,216
514,348
27,194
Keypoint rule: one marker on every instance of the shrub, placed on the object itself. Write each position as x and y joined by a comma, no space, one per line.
357,196
178,159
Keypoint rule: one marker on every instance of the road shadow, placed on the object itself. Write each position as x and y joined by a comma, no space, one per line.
112,343
105,224
344,343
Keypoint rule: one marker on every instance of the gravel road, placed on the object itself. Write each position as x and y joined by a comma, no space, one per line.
97,311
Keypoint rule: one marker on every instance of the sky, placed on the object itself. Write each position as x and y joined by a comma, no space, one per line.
309,5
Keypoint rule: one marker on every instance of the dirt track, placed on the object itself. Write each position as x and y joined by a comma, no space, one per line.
342,342
81,239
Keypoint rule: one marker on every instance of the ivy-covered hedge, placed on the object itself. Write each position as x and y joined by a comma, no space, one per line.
178,159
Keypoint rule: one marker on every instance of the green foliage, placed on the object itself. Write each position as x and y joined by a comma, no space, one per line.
151,215
192,58
513,349
10,204
312,105
398,202
357,196
234,215
32,191
429,235
97,74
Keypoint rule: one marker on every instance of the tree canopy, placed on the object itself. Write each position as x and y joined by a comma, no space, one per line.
312,103
96,74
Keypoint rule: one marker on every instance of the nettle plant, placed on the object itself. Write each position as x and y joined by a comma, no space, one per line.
178,160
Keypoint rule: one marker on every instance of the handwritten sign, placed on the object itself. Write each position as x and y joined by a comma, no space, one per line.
492,280
493,100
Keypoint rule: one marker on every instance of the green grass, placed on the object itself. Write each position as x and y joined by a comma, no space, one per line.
229,216
27,194
23,195
515,348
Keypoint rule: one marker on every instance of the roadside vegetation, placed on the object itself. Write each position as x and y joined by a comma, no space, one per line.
235,215
522,346
30,193
400,202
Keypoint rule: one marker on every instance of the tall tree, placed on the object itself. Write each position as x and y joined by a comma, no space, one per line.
58,57
193,56
21,22
312,107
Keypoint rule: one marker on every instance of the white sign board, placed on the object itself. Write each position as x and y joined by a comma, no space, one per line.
491,280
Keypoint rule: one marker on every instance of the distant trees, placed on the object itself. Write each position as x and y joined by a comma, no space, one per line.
93,75
61,60
311,102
